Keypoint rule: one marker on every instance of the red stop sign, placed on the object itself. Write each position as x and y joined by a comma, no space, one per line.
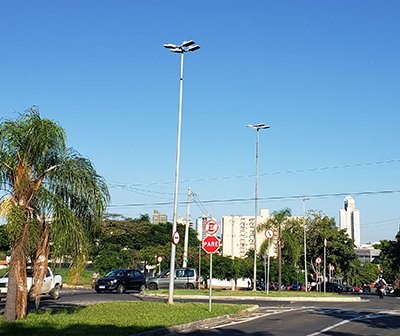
210,244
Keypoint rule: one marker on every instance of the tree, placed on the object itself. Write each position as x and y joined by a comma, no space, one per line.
390,258
49,187
278,221
340,247
112,257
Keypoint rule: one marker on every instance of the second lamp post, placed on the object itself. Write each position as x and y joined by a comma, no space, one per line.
256,127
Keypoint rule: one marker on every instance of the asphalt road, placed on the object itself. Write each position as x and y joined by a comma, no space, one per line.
371,316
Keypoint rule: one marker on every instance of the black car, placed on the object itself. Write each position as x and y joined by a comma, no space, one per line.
121,280
332,287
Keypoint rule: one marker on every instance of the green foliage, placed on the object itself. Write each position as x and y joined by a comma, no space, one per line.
47,179
390,258
4,242
115,318
15,220
340,248
145,241
366,273
111,257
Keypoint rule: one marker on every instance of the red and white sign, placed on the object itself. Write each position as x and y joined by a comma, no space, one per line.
211,227
175,238
318,260
211,244
269,234
332,268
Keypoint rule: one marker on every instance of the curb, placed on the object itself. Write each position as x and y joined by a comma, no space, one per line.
197,325
269,298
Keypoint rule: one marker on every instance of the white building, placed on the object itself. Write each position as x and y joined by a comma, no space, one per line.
200,221
349,218
367,252
238,234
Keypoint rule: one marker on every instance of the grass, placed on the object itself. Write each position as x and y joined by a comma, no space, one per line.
85,278
115,318
227,292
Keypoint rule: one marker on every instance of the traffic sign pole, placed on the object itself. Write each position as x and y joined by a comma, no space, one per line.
267,284
210,289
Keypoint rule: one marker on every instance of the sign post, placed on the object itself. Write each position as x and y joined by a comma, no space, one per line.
269,234
211,245
318,261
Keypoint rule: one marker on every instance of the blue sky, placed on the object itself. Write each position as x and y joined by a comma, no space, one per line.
323,74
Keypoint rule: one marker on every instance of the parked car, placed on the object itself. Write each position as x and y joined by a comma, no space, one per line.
184,278
348,288
296,286
120,280
260,285
332,287
52,284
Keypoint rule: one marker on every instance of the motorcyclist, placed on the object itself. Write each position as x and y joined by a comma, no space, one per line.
381,287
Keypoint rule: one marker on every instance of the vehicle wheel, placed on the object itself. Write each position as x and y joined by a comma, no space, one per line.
152,286
142,289
55,294
120,289
189,286
30,297
97,290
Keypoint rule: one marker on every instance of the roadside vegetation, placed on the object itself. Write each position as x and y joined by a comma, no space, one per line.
53,202
114,318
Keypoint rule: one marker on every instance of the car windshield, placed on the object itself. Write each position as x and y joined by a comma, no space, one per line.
115,273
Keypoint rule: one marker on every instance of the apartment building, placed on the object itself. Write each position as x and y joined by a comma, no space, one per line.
238,234
349,219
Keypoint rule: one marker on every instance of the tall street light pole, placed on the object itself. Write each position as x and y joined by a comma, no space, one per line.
186,46
304,199
256,127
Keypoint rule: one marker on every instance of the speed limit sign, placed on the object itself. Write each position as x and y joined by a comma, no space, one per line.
269,234
318,260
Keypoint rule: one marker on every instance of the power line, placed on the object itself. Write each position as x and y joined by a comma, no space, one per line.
273,198
283,172
199,204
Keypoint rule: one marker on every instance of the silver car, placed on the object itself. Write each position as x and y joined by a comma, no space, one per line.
184,278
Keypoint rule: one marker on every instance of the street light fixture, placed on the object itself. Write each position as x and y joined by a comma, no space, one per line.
186,46
256,127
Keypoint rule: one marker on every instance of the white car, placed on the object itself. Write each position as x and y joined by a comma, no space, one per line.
52,284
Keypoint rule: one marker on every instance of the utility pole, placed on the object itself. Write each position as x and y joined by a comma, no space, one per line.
280,255
324,265
185,251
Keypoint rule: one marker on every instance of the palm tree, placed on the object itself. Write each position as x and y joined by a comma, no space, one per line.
51,191
276,221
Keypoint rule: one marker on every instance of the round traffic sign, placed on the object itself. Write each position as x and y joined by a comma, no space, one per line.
318,260
211,227
211,244
159,259
332,268
269,233
175,238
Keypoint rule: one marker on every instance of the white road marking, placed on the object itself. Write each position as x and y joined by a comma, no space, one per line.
257,316
369,316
